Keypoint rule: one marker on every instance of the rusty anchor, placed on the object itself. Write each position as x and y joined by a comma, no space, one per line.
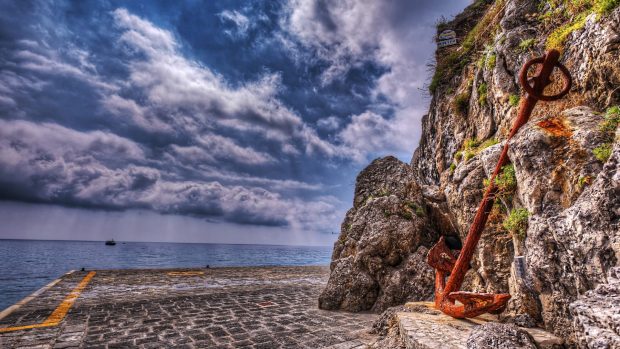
454,264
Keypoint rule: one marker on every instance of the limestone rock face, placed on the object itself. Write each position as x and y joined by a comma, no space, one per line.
593,54
379,259
570,251
596,315
551,154
567,242
572,198
500,336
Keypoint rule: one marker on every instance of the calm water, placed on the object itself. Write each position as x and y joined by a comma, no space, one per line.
27,265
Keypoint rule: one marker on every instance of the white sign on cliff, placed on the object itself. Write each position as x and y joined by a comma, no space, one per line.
446,38
446,35
445,43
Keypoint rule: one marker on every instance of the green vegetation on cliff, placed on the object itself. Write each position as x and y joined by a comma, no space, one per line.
608,128
471,147
461,103
516,223
506,182
602,152
573,15
453,63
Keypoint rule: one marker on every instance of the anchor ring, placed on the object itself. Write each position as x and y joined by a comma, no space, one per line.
523,80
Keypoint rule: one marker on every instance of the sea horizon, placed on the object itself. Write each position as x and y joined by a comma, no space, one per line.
169,242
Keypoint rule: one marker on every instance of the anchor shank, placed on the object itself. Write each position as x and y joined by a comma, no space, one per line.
526,107
462,263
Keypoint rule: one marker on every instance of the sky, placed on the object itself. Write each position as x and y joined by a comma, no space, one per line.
204,121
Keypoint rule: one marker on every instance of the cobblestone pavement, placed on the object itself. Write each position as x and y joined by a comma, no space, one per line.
270,307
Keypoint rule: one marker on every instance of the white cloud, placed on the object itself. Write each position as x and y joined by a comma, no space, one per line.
172,82
241,22
224,148
136,114
46,61
365,134
329,123
143,34
393,34
60,141
7,101
200,132
343,33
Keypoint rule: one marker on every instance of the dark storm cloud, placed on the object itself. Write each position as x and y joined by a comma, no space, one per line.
50,163
245,113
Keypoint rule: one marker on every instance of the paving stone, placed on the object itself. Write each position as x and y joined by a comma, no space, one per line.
347,345
64,345
213,308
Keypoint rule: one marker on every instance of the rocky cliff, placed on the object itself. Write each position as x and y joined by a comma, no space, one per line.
553,237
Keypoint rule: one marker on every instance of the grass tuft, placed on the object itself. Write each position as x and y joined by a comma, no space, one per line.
608,127
526,44
461,103
471,147
573,13
458,156
603,152
418,210
482,93
583,181
514,100
471,144
491,61
612,120
516,223
453,64
506,182
604,7
558,37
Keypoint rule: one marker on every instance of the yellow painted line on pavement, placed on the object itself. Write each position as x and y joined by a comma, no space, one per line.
27,327
61,311
6,312
186,273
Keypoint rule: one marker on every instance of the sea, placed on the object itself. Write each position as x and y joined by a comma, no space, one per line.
27,265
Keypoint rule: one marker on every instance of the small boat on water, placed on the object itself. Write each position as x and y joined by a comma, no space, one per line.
110,243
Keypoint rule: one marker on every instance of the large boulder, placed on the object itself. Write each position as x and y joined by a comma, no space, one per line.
379,259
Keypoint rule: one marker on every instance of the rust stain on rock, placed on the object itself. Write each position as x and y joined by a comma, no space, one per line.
556,127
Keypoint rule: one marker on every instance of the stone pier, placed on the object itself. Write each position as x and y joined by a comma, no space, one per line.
257,307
